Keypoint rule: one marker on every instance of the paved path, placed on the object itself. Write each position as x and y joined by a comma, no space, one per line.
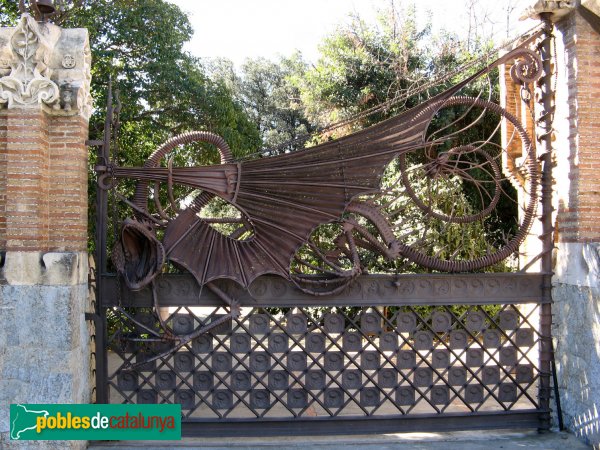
464,440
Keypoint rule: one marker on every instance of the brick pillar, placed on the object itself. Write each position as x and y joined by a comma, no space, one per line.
576,290
3,167
26,179
44,111
68,201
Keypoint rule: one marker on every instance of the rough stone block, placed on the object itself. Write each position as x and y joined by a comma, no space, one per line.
44,268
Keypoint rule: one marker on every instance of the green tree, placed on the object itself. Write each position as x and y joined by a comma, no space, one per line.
9,11
270,94
362,65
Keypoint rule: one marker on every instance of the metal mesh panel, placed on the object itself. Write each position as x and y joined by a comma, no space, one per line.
335,362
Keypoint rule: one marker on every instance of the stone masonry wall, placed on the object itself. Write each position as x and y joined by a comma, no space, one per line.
44,110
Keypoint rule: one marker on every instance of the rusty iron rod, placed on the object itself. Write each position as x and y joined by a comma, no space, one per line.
544,124
101,231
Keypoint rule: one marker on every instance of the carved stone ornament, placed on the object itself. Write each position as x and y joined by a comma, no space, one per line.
556,8
37,56
29,82
68,61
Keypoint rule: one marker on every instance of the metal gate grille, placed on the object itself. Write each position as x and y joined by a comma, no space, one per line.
382,359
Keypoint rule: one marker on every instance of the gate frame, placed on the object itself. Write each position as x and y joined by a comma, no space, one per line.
107,289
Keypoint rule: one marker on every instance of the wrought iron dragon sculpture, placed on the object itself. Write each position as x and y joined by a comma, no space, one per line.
284,198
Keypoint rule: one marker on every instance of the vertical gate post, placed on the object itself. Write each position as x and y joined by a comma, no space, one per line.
544,137
45,105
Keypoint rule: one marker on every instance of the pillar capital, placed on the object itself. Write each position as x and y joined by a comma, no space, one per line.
45,66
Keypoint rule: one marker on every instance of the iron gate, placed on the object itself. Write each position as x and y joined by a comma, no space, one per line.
472,359
379,353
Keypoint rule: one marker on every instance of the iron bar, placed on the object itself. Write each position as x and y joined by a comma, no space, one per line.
101,369
420,289
343,426
101,256
544,137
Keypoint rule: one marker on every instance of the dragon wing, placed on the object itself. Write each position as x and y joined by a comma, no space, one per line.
286,197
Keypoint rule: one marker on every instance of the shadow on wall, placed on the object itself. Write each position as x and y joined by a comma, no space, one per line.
566,126
587,427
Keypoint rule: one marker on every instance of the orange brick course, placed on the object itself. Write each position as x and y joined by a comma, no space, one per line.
43,181
579,220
